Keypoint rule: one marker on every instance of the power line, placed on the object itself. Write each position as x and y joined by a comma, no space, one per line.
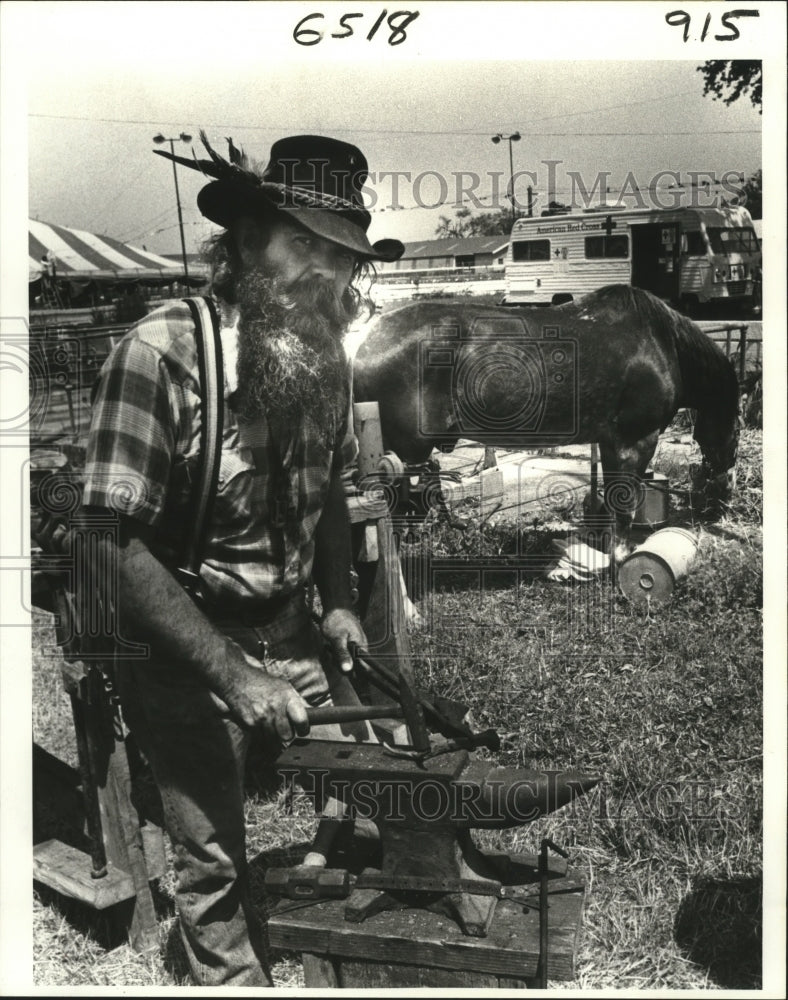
158,217
391,131
162,229
660,99
120,186
617,107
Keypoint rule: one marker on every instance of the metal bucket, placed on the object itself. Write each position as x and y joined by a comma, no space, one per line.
652,511
647,576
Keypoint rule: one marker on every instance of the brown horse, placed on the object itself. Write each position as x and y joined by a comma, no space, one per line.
613,368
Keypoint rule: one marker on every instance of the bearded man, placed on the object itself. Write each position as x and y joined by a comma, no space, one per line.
240,652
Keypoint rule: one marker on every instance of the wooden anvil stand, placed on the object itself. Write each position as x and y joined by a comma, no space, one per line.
415,947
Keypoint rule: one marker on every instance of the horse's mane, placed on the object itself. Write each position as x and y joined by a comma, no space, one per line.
708,377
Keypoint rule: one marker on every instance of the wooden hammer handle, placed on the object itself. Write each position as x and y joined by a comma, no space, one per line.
351,713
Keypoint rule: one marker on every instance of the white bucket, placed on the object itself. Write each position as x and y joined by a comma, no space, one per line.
647,576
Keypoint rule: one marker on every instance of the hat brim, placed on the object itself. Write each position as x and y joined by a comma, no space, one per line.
223,203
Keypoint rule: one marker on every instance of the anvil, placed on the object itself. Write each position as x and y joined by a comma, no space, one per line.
424,808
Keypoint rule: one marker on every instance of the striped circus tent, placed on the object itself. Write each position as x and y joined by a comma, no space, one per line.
83,256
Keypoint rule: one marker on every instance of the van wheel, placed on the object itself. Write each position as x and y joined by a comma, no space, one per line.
562,299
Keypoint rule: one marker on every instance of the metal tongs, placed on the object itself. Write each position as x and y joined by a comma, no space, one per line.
414,708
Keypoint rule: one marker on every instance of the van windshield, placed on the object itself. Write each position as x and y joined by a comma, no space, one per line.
741,240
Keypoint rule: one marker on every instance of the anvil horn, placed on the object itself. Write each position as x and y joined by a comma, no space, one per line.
502,797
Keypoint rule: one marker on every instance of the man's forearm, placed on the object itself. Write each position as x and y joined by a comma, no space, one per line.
158,611
154,606
332,565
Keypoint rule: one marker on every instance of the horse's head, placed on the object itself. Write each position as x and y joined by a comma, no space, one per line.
719,442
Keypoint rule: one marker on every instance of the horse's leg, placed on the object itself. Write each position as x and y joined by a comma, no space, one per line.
623,466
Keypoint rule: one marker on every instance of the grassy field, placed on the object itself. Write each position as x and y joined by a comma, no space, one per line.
666,707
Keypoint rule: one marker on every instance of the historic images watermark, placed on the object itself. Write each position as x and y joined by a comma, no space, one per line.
525,190
520,798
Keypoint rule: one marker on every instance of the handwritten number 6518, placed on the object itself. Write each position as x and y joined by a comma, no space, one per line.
398,21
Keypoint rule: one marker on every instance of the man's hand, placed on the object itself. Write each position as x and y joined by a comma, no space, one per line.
49,532
260,699
158,610
341,627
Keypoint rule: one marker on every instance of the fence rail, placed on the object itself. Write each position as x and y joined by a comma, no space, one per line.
415,275
742,344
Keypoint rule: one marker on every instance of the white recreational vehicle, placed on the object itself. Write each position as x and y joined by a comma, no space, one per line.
688,256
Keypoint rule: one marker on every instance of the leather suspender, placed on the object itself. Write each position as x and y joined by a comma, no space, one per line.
211,370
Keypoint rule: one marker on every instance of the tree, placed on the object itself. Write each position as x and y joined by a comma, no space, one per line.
753,194
556,208
465,224
728,80
458,228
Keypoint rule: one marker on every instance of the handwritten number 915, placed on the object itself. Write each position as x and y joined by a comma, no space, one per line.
679,18
398,21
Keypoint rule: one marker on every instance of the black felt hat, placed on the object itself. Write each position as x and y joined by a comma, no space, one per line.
314,180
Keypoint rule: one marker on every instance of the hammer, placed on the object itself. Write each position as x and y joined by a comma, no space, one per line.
334,809
352,713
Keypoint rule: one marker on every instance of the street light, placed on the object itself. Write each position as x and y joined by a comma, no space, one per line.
514,137
183,137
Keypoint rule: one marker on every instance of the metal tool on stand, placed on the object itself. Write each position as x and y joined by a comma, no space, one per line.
544,875
424,799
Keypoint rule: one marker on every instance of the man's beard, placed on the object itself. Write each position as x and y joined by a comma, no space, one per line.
291,362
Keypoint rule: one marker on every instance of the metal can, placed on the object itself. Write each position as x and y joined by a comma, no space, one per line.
652,510
648,575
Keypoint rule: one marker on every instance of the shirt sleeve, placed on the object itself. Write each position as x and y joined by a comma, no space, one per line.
132,434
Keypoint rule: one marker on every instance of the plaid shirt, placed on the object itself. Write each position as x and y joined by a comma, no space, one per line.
143,451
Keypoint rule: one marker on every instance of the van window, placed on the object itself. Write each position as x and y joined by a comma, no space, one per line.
696,245
739,240
531,250
607,246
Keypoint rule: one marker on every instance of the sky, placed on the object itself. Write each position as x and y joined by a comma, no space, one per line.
103,81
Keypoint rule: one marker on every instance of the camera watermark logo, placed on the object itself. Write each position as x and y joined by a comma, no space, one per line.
81,566
26,379
499,382
43,381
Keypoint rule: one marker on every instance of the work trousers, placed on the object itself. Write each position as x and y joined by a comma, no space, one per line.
197,752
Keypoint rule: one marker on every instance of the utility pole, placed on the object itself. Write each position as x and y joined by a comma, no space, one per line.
183,137
514,137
